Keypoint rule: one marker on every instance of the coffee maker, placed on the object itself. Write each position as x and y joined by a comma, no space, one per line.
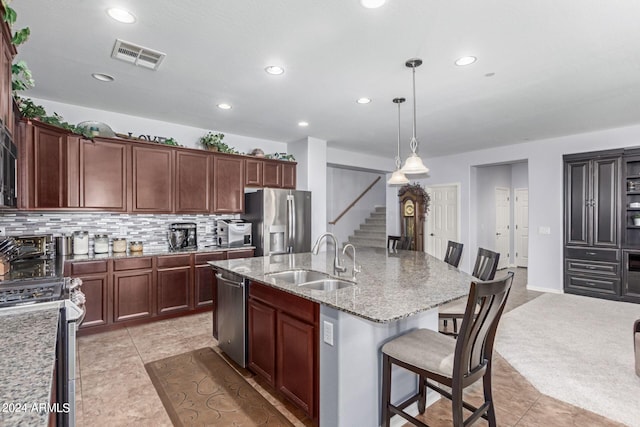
182,236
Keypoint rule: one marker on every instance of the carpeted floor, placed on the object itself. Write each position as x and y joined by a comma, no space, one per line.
576,349
199,388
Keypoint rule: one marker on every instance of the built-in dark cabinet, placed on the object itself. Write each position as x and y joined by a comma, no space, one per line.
174,283
95,285
152,179
592,200
253,173
193,182
228,184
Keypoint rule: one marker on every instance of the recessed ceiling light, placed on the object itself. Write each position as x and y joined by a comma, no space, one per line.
274,69
303,124
121,15
103,77
363,100
224,106
466,60
372,4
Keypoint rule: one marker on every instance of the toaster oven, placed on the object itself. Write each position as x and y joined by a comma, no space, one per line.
35,246
233,232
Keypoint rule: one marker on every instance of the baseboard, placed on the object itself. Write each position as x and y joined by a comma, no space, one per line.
546,290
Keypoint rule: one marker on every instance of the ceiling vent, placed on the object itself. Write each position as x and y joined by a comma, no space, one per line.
137,55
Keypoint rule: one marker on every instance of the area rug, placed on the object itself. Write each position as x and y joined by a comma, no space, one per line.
200,389
578,350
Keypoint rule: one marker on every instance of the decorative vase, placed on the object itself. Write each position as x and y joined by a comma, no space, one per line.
636,221
212,148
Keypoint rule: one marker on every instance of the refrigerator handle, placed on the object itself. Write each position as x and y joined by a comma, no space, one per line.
292,236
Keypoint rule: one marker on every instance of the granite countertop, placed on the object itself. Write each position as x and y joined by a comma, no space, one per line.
391,286
154,252
28,354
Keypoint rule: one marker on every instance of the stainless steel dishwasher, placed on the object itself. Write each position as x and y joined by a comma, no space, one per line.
232,316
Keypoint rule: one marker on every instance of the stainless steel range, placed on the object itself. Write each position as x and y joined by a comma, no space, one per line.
33,282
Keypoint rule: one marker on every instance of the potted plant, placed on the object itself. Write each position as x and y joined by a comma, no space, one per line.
213,142
636,219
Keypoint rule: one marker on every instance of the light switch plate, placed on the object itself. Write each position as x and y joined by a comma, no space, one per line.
327,328
3,231
544,230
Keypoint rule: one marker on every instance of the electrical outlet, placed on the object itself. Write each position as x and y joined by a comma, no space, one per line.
3,231
328,332
208,228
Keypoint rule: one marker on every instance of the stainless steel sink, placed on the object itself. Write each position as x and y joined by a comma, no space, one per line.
326,285
298,277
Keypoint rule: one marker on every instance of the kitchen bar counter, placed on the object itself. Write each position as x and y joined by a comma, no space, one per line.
391,286
28,354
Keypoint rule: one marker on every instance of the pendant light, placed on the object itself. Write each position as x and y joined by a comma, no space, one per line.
398,178
413,165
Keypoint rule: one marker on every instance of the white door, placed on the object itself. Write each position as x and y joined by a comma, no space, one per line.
503,218
442,219
522,226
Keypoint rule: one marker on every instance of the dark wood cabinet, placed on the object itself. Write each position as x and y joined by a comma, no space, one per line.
174,284
262,340
289,175
97,174
592,200
228,184
7,52
272,174
253,173
193,182
243,253
283,344
152,179
96,290
132,295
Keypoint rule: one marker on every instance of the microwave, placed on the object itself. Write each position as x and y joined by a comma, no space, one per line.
233,232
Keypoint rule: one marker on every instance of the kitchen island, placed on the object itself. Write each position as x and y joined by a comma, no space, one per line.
395,292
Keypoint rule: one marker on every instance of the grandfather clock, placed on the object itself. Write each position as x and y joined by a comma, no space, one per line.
413,207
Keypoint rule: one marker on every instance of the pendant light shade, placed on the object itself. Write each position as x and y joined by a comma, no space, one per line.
398,178
414,165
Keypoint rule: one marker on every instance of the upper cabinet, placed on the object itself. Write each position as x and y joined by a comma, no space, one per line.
59,170
270,173
228,184
193,182
7,52
592,200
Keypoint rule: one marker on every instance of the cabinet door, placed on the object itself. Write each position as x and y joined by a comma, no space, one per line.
103,175
132,295
205,286
174,290
577,196
193,177
49,168
605,202
289,175
152,179
253,173
240,254
295,364
262,340
228,184
95,288
272,174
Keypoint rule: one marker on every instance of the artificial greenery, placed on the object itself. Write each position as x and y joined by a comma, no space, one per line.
417,189
21,75
31,110
215,140
170,141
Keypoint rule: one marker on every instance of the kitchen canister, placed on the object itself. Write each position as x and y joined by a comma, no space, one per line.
101,243
80,242
64,245
135,246
119,244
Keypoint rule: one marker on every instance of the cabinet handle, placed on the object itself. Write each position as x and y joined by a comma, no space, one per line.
591,253
590,267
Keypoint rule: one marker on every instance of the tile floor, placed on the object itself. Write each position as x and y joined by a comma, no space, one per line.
114,388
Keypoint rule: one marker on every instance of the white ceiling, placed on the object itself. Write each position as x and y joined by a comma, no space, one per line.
561,67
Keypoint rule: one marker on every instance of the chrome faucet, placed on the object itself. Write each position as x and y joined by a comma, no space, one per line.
356,268
337,266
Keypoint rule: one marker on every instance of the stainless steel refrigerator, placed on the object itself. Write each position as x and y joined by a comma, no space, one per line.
281,220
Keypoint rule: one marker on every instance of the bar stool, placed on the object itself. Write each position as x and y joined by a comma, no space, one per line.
456,363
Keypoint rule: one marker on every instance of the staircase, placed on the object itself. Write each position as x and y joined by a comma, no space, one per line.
373,232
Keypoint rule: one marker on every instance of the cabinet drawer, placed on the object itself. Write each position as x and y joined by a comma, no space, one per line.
247,253
88,267
215,256
174,261
598,284
607,255
132,264
593,267
294,305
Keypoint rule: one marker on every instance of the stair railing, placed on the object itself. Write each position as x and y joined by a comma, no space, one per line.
366,190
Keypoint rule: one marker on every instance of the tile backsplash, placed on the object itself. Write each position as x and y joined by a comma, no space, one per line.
150,229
